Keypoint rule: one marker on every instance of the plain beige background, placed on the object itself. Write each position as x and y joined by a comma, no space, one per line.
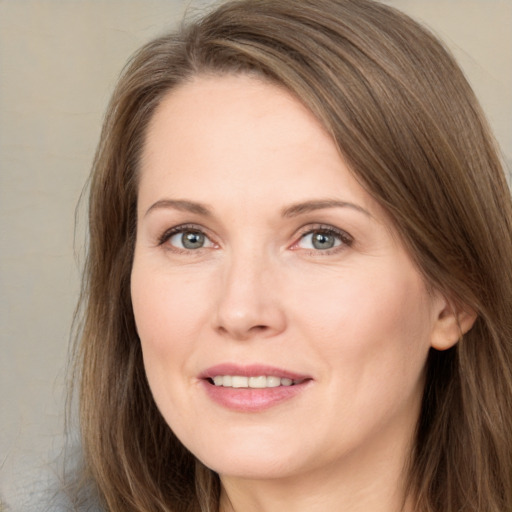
59,60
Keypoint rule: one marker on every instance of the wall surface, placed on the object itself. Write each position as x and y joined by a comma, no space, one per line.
59,60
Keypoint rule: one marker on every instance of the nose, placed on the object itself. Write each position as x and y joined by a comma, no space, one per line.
249,301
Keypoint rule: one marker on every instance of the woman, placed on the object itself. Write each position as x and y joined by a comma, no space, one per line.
298,288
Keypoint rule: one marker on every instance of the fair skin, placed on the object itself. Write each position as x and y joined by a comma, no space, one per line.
259,254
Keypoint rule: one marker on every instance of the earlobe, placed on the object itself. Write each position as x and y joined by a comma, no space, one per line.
453,321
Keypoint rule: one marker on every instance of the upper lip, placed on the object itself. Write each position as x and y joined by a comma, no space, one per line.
252,370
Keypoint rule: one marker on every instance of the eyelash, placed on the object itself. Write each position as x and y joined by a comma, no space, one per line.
345,239
183,228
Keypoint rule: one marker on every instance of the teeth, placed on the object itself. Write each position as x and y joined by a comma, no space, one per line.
239,382
260,382
273,382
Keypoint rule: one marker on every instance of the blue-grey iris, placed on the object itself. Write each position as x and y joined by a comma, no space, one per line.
323,241
192,240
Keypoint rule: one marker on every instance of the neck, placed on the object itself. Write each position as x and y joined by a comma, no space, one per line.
369,481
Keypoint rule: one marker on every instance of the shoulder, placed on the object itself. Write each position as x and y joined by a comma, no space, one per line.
60,486
55,498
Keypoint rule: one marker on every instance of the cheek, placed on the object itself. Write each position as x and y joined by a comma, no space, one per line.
163,319
166,309
373,326
166,320
374,334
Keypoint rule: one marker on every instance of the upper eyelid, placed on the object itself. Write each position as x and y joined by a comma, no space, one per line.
346,239
168,233
305,230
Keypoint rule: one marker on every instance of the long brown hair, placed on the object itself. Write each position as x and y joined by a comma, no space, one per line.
405,118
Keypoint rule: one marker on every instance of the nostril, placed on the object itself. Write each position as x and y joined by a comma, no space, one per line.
241,322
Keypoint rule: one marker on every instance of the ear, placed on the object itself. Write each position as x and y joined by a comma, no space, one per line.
452,322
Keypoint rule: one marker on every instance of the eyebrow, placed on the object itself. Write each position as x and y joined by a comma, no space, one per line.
182,205
293,210
310,206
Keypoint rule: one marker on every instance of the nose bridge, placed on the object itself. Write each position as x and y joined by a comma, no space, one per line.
249,300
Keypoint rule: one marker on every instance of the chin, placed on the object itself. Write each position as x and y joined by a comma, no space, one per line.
250,458
261,468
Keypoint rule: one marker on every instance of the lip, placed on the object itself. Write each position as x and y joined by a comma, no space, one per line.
251,399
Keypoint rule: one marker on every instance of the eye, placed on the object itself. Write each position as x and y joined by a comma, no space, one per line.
186,238
323,239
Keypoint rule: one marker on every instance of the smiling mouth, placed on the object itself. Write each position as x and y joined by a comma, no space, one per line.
251,388
258,382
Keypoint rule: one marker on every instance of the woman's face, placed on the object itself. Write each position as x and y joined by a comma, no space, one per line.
284,327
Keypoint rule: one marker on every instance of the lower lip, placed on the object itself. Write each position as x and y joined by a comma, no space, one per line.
252,399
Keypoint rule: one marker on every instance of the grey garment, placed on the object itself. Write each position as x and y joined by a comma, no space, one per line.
56,488
39,497
56,498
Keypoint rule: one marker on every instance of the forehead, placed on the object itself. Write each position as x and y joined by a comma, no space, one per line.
242,133
209,107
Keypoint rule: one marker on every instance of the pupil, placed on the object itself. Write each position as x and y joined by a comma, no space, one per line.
323,241
192,240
